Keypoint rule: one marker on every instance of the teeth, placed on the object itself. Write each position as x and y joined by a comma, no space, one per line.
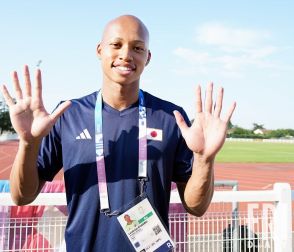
122,68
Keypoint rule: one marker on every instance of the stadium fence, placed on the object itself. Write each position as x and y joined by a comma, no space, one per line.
262,221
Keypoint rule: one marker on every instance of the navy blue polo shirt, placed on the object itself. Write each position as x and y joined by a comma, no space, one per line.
71,145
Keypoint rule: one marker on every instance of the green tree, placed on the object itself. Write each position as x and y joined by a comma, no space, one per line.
238,132
257,126
5,123
281,133
230,125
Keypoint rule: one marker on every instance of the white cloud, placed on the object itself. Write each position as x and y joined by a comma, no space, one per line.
218,34
229,51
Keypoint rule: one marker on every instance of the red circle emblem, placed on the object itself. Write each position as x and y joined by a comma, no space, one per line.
153,134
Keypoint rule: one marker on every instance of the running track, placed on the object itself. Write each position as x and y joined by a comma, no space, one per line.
8,150
255,176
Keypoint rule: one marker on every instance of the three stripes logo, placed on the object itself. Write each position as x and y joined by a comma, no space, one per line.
84,135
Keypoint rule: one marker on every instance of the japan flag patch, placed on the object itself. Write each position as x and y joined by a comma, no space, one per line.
154,134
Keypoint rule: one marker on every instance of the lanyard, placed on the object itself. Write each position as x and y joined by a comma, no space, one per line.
100,163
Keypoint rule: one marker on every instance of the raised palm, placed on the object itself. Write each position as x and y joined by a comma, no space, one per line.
208,131
28,115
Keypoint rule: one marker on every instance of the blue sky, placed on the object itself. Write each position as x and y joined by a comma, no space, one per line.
248,48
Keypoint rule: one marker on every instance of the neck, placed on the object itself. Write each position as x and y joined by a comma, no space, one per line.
120,97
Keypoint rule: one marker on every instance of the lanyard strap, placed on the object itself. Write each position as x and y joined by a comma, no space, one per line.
100,162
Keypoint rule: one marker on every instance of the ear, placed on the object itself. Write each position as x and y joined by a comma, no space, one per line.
148,58
98,51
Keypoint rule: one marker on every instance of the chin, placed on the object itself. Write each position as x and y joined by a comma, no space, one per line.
127,82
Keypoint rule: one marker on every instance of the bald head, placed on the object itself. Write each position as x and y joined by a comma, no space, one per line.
124,51
126,24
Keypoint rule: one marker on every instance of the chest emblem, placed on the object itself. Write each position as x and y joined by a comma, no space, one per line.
154,134
84,135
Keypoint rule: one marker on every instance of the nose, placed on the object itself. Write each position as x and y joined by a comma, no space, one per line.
125,53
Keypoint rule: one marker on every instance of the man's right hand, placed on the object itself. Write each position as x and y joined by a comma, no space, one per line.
28,115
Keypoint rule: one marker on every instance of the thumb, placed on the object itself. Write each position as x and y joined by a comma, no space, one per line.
180,121
60,110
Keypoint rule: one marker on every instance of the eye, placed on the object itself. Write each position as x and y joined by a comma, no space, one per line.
139,48
115,45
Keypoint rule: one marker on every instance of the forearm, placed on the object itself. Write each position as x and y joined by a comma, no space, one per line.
199,189
24,179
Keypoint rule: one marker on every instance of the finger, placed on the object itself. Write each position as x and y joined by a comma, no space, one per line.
38,87
60,110
219,102
180,121
208,97
8,99
198,100
230,112
18,92
28,87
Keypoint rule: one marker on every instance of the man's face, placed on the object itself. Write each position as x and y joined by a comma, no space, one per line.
127,218
124,51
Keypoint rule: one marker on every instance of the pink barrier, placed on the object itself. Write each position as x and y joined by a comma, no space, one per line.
23,230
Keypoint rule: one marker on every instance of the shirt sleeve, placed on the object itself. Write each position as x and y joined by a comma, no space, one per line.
50,154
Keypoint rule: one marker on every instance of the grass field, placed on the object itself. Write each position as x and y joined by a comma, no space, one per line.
256,152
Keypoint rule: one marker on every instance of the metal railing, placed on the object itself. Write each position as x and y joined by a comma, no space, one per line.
264,223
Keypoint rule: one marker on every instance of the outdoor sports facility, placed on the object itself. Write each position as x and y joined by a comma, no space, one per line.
253,165
256,165
256,151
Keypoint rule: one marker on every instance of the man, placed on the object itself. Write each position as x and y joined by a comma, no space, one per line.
130,224
115,145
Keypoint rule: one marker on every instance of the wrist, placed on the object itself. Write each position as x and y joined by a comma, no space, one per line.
29,145
203,159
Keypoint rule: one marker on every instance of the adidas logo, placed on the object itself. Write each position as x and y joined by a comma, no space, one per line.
84,135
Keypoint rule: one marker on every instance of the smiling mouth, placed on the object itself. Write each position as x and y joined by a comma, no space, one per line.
124,69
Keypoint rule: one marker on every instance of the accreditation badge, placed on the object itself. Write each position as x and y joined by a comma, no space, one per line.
144,229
